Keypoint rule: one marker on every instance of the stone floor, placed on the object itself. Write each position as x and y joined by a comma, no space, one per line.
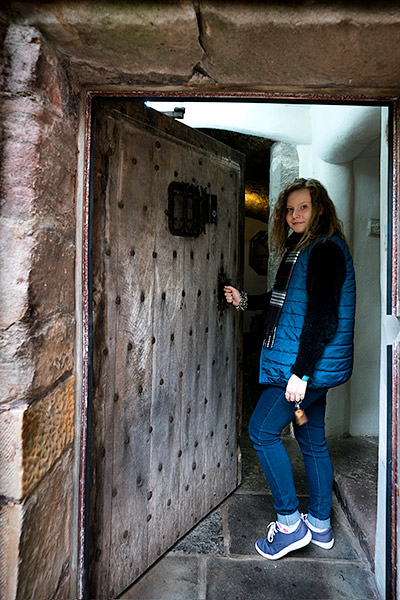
217,559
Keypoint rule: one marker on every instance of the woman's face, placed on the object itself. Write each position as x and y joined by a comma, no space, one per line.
299,210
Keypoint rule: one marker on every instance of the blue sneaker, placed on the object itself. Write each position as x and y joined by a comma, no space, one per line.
323,539
277,544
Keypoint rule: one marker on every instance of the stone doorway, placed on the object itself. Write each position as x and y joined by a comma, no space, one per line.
53,55
135,95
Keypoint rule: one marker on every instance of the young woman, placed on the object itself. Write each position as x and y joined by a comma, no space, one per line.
307,349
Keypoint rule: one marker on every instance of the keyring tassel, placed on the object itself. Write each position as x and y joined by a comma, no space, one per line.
301,417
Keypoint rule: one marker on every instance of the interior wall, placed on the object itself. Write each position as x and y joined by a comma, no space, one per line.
364,384
253,283
338,180
344,156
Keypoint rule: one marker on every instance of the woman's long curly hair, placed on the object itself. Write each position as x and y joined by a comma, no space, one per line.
324,220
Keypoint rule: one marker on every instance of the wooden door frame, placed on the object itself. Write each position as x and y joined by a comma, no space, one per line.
84,360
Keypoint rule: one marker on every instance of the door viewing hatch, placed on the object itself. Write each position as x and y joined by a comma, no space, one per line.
165,415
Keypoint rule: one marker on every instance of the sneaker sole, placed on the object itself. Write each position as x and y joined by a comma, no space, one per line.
295,546
324,545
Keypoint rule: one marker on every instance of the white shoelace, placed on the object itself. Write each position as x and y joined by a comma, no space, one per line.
304,516
271,531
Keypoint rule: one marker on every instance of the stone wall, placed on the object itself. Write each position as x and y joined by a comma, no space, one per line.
37,244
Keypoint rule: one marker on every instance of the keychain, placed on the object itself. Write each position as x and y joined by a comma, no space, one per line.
300,415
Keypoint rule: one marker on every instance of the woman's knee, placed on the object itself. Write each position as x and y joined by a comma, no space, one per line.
311,444
260,433
254,429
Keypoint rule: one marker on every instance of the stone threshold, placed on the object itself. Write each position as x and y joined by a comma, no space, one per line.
355,461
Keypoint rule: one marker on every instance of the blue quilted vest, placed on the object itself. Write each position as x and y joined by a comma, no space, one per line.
336,363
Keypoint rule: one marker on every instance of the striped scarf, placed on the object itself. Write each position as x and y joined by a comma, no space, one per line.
278,296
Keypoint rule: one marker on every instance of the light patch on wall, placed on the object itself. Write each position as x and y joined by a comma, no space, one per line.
256,201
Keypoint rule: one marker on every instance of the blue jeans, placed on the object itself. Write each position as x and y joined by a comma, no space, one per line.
271,415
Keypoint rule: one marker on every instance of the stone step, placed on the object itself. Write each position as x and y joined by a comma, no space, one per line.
355,461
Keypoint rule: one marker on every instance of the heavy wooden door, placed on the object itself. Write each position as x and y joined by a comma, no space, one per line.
165,418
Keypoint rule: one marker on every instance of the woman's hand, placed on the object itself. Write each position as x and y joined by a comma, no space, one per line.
232,295
295,389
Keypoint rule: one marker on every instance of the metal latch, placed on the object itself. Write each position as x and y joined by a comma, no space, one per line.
190,207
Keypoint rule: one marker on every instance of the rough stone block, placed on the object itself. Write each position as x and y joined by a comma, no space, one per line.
40,103
33,438
298,44
53,351
56,176
48,429
31,363
21,159
16,367
23,47
26,114
138,35
205,538
34,536
48,77
11,452
39,167
15,251
51,285
32,65
10,528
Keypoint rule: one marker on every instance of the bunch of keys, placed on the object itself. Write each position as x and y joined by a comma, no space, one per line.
300,415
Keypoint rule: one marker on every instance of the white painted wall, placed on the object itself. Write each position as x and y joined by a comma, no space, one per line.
346,136
281,122
341,133
364,384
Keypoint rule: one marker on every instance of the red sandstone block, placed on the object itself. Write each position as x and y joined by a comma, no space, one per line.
52,349
38,570
39,153
28,113
48,78
23,57
20,163
33,438
19,204
17,368
34,355
51,277
15,250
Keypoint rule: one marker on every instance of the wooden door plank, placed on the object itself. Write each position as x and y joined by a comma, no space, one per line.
134,357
